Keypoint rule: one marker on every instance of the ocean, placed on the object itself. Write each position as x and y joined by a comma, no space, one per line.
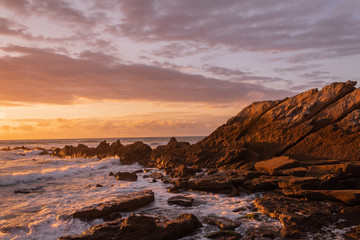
38,193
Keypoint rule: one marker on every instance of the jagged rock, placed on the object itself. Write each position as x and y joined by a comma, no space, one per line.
297,216
127,176
124,203
103,150
156,175
140,227
222,223
273,165
351,197
181,201
309,126
170,155
182,171
136,152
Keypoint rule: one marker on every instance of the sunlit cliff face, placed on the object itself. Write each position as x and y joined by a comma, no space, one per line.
154,68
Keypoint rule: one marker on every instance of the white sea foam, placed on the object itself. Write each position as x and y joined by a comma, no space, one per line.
53,173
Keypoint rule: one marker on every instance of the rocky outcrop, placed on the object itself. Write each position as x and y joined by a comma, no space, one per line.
311,125
297,216
124,203
170,155
136,152
140,227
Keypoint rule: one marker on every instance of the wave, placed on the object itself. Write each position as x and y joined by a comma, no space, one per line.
53,173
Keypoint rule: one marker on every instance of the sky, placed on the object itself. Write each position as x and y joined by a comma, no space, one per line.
140,68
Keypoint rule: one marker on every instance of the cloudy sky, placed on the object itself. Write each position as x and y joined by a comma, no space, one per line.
107,68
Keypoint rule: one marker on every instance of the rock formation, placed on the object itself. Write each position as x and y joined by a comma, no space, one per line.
311,125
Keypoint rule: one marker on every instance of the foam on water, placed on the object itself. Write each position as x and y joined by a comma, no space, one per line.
57,187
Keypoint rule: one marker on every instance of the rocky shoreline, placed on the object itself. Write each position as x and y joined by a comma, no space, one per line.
302,153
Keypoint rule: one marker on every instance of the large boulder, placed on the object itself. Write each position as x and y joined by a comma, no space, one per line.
140,227
123,203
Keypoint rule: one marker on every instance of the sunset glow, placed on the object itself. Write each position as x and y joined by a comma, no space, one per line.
76,69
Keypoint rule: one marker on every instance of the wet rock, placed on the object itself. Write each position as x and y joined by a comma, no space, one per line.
170,155
181,201
215,184
138,171
99,185
182,171
139,227
262,232
29,190
351,215
252,216
112,217
224,234
111,174
222,223
274,165
136,152
297,215
156,175
103,150
353,234
123,203
44,152
127,176
173,189
350,197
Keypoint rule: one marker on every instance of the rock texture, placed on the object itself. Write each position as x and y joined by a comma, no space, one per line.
124,203
311,125
139,227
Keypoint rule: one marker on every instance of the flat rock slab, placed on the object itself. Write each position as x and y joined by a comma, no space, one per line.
273,165
348,196
341,170
181,201
298,216
139,227
124,203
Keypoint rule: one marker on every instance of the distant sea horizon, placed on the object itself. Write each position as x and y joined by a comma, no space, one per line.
91,142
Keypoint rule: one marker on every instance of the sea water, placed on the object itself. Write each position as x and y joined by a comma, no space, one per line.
38,193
